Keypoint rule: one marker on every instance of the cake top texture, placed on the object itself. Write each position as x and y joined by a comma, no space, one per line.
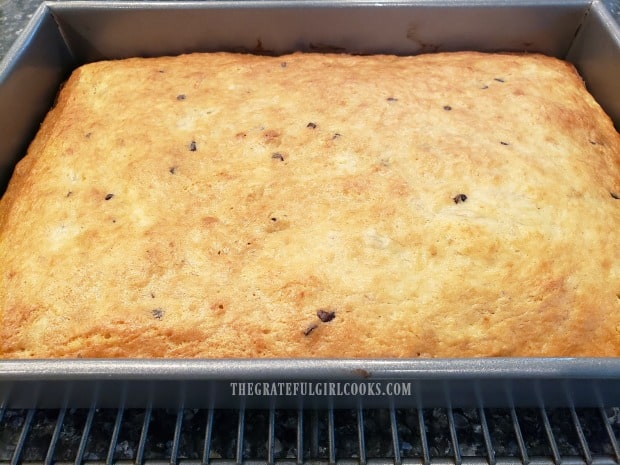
315,205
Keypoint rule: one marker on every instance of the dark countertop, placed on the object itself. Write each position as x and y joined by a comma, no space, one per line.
14,14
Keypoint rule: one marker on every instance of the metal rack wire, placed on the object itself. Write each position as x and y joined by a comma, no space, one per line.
319,437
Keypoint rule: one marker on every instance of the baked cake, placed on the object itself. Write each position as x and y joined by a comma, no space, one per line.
315,205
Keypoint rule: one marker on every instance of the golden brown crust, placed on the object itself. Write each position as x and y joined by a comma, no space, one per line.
316,205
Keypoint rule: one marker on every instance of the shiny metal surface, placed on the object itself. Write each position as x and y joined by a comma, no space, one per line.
311,383
14,14
62,35
357,436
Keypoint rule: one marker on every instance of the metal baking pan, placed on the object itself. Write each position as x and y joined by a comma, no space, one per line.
63,35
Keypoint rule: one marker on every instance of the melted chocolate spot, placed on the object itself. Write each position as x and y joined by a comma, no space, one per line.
309,329
459,198
325,315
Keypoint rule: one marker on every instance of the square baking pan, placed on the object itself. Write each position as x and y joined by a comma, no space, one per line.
64,35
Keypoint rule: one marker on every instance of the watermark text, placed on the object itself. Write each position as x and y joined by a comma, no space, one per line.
310,388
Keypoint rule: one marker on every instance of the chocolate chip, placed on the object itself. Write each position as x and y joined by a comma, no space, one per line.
325,315
447,107
310,328
503,143
277,156
311,125
157,313
192,146
274,219
392,99
109,196
615,196
181,97
459,198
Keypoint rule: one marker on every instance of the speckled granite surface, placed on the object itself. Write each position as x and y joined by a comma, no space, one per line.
14,14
